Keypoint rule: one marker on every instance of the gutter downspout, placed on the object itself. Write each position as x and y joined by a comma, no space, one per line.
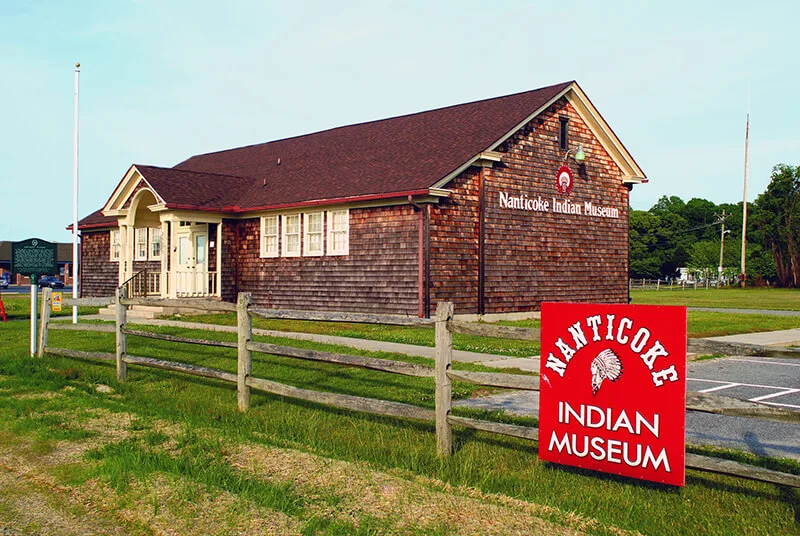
481,252
420,257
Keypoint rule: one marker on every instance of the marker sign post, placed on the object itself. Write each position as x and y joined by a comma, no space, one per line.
613,389
34,257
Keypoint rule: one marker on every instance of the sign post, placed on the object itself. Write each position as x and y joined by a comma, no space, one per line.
613,389
34,257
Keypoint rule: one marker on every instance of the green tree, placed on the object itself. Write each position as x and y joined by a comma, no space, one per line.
776,217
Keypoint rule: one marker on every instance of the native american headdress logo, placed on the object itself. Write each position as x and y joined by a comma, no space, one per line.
606,366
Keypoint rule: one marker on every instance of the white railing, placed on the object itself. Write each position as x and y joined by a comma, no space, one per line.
195,284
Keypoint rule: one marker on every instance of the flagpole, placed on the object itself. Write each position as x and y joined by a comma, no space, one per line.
744,203
75,200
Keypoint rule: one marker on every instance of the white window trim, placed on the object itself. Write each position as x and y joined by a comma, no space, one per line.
136,233
306,234
150,241
284,242
264,252
346,249
114,245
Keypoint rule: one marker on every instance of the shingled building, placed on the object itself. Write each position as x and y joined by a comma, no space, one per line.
496,205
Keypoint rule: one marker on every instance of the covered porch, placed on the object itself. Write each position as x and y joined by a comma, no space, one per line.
161,252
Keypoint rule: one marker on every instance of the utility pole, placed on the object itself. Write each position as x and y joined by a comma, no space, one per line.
721,248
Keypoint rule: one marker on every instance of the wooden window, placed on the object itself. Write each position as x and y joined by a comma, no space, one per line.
563,133
312,226
114,245
155,243
269,236
339,232
291,235
140,244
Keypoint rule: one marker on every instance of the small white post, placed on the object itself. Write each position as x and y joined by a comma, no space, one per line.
34,295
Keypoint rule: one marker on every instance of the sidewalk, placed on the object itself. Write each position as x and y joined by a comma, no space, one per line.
786,337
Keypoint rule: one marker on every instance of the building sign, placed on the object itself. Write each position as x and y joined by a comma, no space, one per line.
556,206
57,301
613,389
34,257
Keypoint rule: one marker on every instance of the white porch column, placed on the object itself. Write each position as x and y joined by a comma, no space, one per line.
123,253
166,246
173,259
218,245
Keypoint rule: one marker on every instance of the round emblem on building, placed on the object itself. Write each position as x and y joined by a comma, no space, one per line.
564,180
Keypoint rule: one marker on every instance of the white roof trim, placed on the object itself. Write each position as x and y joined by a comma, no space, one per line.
125,189
632,173
610,142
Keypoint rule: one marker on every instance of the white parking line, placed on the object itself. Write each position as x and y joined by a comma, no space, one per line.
719,388
764,362
781,405
773,395
739,384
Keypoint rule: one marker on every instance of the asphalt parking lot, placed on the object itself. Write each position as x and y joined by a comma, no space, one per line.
766,380
772,381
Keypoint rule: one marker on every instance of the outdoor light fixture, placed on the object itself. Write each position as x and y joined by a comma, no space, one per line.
579,156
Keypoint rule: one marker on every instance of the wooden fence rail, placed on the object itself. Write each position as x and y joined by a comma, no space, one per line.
442,373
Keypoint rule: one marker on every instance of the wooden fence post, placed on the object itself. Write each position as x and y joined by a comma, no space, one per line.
444,390
245,361
47,300
122,340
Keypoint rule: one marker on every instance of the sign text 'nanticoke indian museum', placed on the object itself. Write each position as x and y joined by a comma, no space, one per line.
497,205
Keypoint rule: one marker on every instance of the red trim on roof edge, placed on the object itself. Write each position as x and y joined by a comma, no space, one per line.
333,201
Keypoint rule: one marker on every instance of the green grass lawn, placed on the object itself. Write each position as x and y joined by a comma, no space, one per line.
185,433
782,299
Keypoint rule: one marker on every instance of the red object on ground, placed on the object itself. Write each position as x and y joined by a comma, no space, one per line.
2,310
613,389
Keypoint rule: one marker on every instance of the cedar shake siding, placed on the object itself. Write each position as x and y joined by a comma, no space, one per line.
454,246
378,275
531,257
98,274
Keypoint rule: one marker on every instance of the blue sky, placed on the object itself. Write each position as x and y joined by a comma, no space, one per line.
162,80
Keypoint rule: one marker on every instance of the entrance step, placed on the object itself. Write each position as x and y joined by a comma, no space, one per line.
136,311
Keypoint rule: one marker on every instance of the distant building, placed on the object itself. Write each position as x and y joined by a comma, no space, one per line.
469,203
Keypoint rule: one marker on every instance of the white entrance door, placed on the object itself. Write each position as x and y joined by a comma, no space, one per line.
191,277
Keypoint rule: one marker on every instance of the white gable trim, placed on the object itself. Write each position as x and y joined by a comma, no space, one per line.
610,142
631,172
125,189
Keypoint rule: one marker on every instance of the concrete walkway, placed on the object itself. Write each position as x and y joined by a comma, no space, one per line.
785,337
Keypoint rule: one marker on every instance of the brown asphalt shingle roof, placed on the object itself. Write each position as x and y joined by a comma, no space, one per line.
401,154
96,220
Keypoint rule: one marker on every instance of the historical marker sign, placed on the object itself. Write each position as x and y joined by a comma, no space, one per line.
613,389
34,257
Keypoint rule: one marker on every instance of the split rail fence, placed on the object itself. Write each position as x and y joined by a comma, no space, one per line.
442,373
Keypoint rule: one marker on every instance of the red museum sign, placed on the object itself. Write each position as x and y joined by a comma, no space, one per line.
613,389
